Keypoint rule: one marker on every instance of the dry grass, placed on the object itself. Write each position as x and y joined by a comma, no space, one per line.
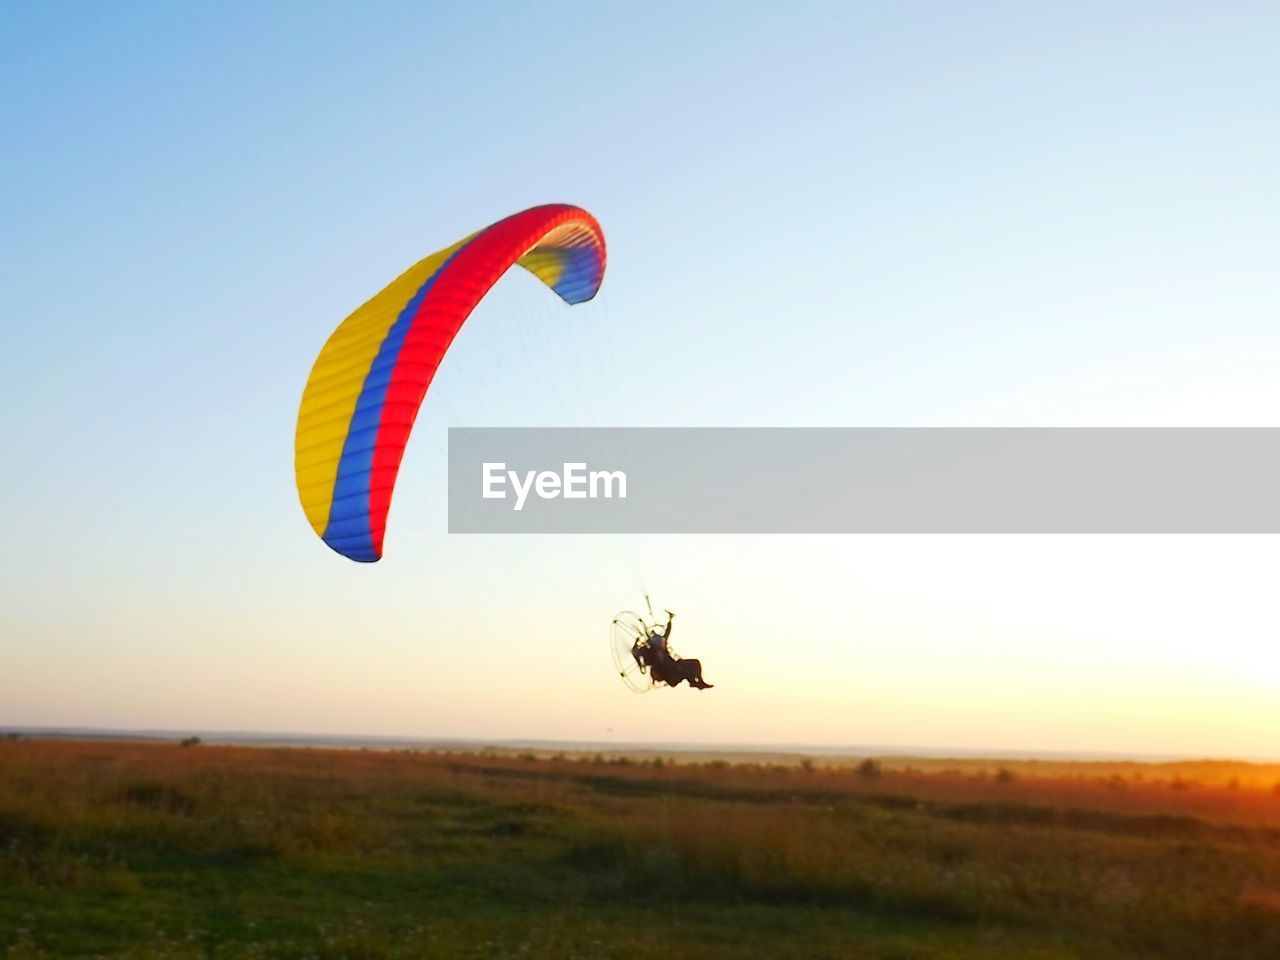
151,850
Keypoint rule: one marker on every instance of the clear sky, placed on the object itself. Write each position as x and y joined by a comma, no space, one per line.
847,214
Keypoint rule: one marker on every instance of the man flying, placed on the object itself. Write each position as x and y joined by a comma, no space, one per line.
654,653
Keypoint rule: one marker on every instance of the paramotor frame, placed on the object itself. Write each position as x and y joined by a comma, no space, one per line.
629,634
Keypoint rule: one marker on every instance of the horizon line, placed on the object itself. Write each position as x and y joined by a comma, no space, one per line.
239,737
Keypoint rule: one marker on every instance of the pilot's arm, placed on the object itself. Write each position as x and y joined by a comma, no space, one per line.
666,635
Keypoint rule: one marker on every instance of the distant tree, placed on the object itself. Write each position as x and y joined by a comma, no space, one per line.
1004,775
806,764
869,768
190,742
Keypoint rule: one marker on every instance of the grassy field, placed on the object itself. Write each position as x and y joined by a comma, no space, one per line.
153,850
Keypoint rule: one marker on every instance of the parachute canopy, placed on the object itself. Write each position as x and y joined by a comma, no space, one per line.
369,380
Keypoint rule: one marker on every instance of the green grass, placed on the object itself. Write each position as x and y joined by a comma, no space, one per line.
149,851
